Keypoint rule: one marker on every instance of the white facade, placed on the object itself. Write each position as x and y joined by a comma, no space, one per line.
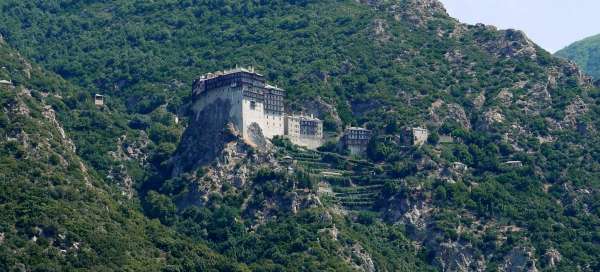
251,100
304,130
98,100
420,136
252,112
274,125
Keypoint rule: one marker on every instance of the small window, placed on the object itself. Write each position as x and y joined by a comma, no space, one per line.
252,105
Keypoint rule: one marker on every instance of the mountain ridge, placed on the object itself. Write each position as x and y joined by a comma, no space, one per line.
585,53
514,179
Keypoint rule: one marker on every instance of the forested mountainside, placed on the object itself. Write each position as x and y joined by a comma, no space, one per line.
586,53
453,205
57,212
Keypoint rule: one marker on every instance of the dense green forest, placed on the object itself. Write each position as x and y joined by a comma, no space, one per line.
384,65
586,53
58,214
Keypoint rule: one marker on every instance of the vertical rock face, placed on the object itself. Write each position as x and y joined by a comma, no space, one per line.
256,137
204,138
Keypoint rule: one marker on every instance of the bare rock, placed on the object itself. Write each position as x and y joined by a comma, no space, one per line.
379,31
454,57
256,137
361,259
416,12
552,257
318,107
505,97
204,138
419,12
552,79
413,210
518,260
441,111
479,100
574,110
493,116
453,256
570,69
510,43
49,114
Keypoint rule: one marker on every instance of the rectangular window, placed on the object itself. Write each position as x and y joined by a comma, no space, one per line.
252,105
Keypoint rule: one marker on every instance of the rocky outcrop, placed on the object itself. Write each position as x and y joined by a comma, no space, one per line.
359,258
493,116
440,112
479,101
127,149
320,108
379,30
416,13
454,256
51,116
570,69
574,110
520,259
505,97
413,209
508,43
205,137
234,165
255,137
552,257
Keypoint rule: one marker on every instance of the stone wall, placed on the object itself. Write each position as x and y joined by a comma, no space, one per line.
273,125
293,131
232,97
252,115
357,150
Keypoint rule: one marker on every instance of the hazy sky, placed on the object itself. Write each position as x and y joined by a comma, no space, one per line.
553,24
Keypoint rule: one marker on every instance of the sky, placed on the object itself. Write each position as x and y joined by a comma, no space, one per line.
552,24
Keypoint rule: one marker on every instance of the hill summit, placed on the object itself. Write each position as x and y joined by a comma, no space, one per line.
586,53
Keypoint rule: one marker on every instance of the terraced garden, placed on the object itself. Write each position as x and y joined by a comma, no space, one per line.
348,182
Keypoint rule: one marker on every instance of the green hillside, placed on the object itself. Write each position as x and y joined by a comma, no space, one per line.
459,205
57,213
586,53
